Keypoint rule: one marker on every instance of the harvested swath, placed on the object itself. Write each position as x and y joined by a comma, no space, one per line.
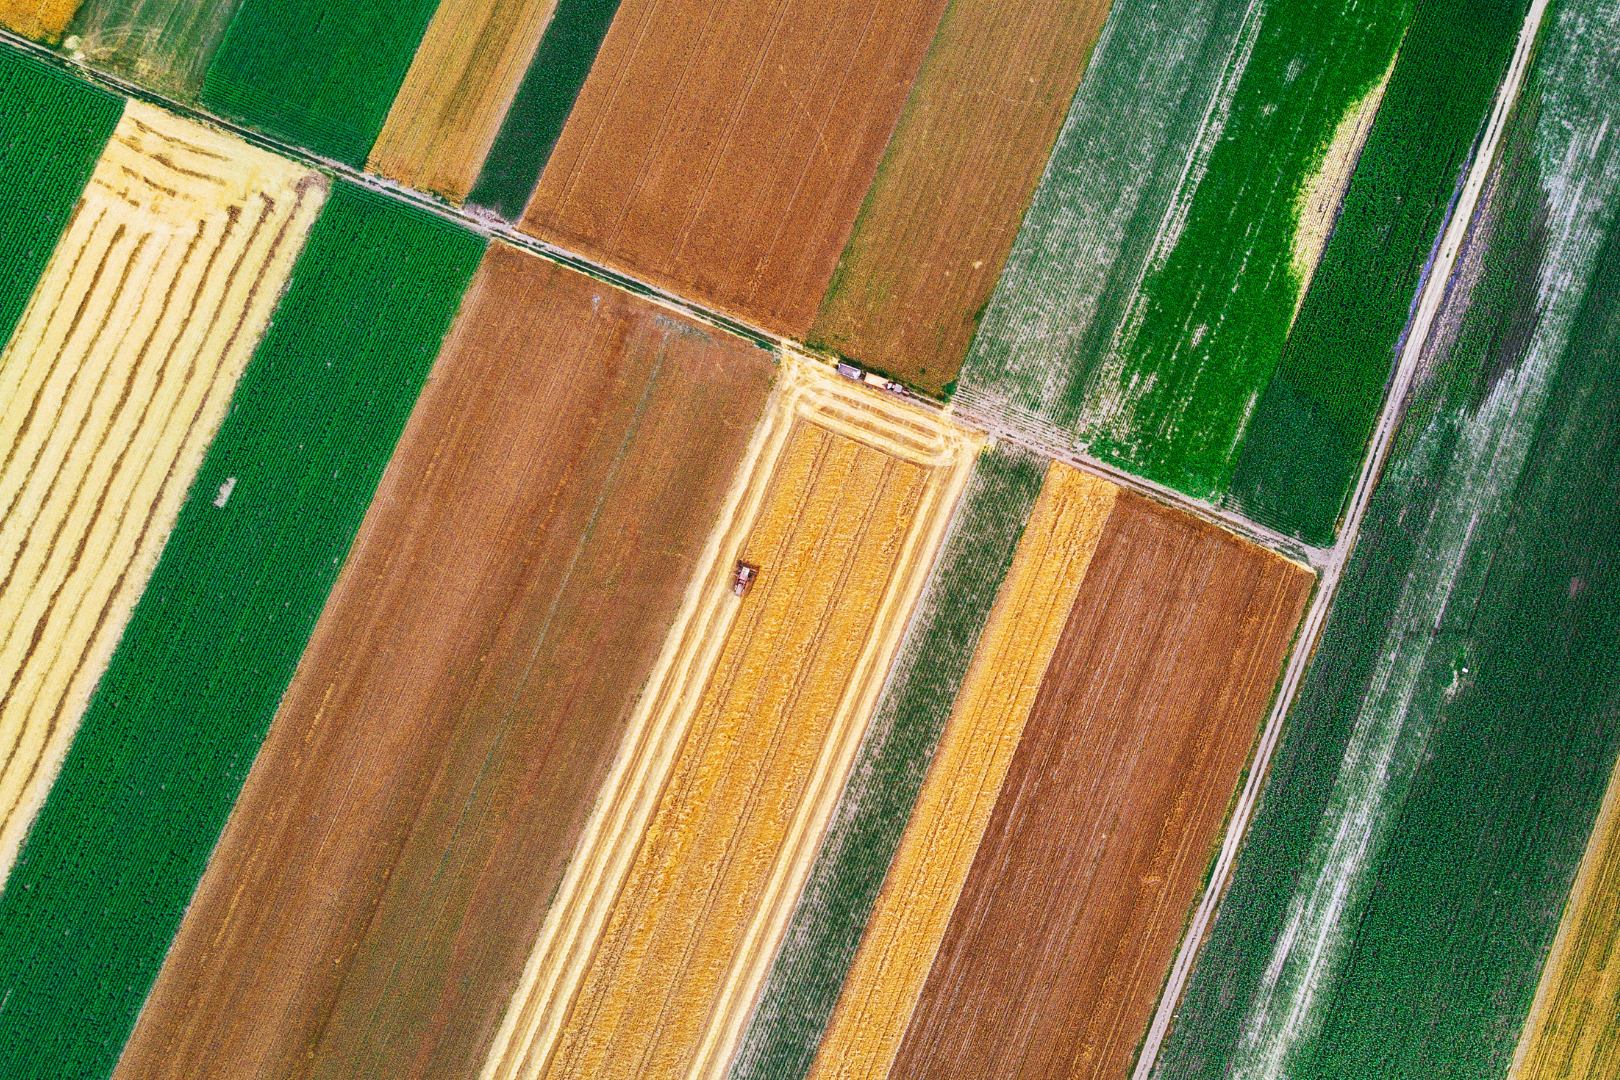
1574,1025
162,44
110,864
965,776
52,130
865,829
535,120
431,764
1303,449
722,150
1112,806
112,387
457,91
941,216
653,954
1432,794
317,73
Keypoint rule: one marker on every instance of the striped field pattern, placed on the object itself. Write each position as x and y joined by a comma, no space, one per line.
113,385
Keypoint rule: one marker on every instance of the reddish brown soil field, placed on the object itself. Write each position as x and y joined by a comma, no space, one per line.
1113,805
950,195
722,148
383,877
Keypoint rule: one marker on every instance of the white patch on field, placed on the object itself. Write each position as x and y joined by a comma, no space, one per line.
225,490
1580,161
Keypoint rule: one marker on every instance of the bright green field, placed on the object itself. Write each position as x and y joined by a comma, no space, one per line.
865,830
318,74
52,129
173,727
1430,801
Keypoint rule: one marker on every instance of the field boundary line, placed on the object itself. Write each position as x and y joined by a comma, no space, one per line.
494,229
1433,292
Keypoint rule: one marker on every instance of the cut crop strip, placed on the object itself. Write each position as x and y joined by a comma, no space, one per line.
964,778
112,859
720,662
865,829
113,387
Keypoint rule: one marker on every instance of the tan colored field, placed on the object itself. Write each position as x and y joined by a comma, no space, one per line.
1112,806
1573,1032
455,95
722,149
942,214
374,897
111,389
656,948
940,841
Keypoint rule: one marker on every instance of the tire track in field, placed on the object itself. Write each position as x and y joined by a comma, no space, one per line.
176,255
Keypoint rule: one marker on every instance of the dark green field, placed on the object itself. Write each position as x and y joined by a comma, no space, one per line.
1303,449
535,121
865,829
52,129
1431,798
317,74
172,729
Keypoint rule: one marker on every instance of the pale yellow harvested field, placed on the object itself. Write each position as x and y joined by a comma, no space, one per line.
115,381
681,888
455,95
937,850
1574,1025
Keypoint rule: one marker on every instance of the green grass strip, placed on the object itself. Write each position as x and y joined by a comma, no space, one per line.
318,73
1303,450
52,130
173,727
1458,721
865,830
546,96
164,45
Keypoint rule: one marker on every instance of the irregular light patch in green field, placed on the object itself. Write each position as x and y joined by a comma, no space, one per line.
111,862
865,829
1304,448
162,44
1429,803
52,130
535,121
319,74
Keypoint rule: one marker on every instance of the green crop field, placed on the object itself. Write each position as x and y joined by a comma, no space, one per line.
162,44
106,873
1153,290
320,75
535,121
1430,801
52,129
1303,450
864,832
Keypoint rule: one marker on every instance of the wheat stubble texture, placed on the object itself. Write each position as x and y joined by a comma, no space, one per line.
374,897
954,805
950,194
722,149
113,385
828,539
456,93
1112,806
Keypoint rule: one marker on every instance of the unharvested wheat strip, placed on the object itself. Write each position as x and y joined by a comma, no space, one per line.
42,20
113,384
459,87
937,850
1574,1025
666,922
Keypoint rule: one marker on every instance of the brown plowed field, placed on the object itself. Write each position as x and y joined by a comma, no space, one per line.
969,149
722,148
1114,802
382,879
